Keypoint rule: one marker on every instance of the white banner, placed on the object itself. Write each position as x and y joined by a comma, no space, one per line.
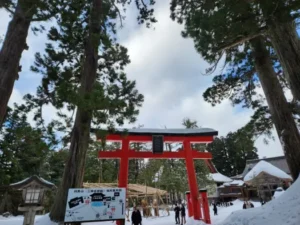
95,204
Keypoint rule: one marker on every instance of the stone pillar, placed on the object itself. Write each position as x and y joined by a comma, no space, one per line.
29,213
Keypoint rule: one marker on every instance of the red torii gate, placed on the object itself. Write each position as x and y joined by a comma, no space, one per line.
185,136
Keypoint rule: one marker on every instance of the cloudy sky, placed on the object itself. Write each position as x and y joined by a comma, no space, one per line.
169,73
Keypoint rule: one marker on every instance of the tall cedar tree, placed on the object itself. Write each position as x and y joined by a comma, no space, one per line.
83,70
205,23
230,153
279,17
23,13
275,20
23,148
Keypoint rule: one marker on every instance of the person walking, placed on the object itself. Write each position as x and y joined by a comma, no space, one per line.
215,209
177,211
136,217
244,205
182,210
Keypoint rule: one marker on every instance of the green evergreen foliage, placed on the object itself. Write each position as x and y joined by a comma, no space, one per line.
221,31
230,153
23,149
101,170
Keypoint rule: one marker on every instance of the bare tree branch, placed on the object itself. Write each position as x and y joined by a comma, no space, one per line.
42,18
9,10
119,13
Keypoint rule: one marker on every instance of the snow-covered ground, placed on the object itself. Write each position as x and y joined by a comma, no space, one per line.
284,210
223,212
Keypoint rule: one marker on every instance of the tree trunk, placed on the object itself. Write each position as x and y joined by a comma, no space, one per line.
74,169
286,43
11,51
285,40
281,114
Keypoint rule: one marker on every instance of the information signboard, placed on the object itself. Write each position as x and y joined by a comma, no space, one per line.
95,204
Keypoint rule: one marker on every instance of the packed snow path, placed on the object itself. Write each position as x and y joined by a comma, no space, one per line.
223,213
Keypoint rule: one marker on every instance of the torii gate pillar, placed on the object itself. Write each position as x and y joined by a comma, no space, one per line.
192,179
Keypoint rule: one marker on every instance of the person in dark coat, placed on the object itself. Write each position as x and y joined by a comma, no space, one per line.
244,205
251,205
215,209
136,217
177,211
182,210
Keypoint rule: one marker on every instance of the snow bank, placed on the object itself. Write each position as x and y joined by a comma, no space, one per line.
191,221
44,220
218,177
284,210
279,191
268,168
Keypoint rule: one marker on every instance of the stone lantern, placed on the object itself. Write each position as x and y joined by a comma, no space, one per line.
32,197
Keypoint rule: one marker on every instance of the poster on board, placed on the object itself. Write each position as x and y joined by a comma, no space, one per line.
95,204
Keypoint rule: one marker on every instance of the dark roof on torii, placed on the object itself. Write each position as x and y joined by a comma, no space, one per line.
165,132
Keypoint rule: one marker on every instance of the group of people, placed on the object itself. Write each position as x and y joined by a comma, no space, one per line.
248,205
179,210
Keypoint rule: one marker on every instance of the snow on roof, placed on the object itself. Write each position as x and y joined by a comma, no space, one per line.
220,178
283,210
233,183
237,182
268,168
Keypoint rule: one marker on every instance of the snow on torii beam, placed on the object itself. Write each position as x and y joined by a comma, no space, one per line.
185,136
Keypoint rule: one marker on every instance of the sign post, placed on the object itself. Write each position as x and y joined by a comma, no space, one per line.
95,204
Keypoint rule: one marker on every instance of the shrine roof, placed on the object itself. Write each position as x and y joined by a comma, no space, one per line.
167,132
22,184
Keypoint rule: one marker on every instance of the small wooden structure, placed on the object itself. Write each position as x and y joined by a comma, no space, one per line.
232,190
266,178
33,189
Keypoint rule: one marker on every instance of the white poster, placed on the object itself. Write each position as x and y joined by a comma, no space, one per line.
95,204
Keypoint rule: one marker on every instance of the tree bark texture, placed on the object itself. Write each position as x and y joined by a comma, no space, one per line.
74,169
286,43
285,40
11,51
281,114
